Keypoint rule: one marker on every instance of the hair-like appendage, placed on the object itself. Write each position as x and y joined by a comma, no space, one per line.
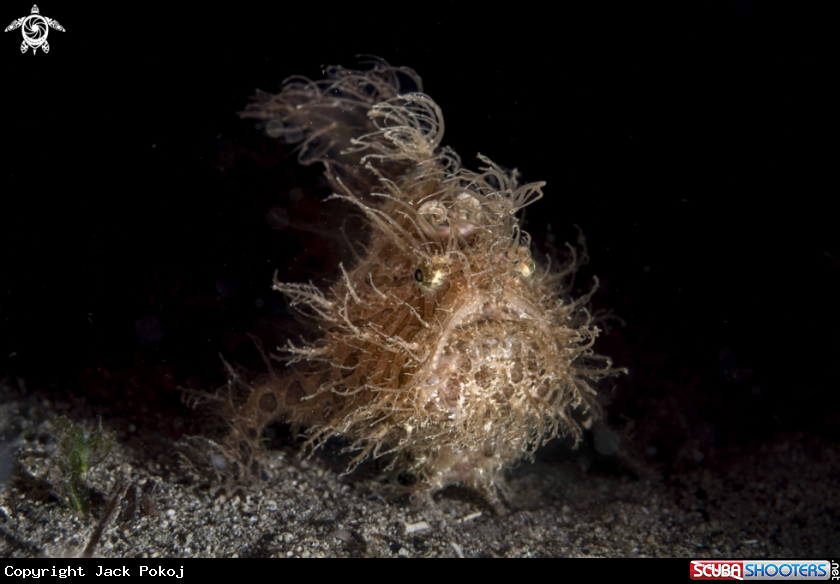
325,117
445,346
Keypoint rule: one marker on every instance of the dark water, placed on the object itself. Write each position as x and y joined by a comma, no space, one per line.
142,221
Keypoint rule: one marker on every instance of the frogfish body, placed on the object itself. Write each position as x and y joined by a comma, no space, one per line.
446,346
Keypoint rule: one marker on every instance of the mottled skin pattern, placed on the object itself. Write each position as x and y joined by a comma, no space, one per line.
445,347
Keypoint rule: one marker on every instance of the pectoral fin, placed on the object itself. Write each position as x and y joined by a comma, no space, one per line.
54,24
15,24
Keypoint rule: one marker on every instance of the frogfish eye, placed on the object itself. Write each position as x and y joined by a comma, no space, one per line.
418,275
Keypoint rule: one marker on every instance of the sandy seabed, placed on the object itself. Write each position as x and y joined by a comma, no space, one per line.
779,501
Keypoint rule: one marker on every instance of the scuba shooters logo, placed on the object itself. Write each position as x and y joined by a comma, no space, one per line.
35,29
763,570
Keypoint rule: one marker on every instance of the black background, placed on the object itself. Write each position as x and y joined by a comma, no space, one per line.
690,143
